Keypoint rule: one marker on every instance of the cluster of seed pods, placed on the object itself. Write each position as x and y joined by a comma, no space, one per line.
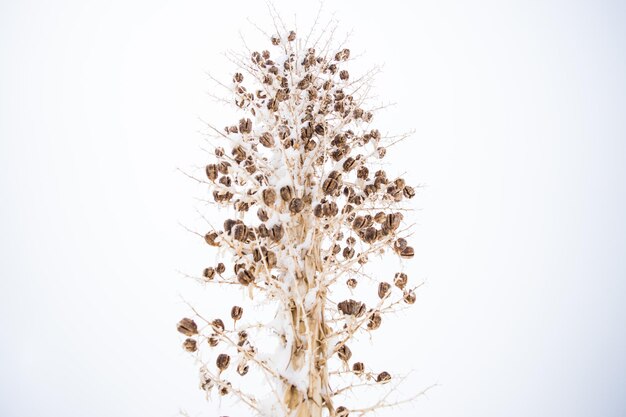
301,169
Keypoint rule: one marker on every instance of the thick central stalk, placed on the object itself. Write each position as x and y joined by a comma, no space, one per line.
309,331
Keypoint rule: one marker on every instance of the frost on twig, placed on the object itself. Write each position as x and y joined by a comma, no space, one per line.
310,207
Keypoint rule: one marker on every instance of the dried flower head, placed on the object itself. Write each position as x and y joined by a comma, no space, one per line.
309,207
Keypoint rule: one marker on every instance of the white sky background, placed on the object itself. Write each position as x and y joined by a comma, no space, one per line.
519,112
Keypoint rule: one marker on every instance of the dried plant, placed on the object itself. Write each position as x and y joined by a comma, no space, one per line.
311,207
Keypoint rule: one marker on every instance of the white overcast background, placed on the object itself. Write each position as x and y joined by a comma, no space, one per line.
519,111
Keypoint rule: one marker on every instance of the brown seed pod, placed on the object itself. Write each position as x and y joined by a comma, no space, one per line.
399,244
338,154
267,140
236,312
348,164
222,197
245,126
242,368
239,154
336,175
352,308
262,230
208,273
399,184
393,220
408,192
241,206
211,172
259,254
275,40
218,325
187,326
292,36
352,283
220,268
350,241
383,377
226,181
358,223
213,340
400,280
329,186
348,252
282,95
319,129
245,277
240,232
303,84
238,77
286,193
222,361
296,205
262,215
358,367
210,238
339,140
342,411
407,253
357,200
383,289
272,105
409,296
344,353
317,210
277,232
269,196
368,220
190,345
206,383
243,336
344,75
270,259
223,167
374,321
368,234
380,217
362,173
219,151
370,189
336,249
225,389
239,267
310,145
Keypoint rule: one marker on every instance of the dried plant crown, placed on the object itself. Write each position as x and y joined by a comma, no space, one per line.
311,205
